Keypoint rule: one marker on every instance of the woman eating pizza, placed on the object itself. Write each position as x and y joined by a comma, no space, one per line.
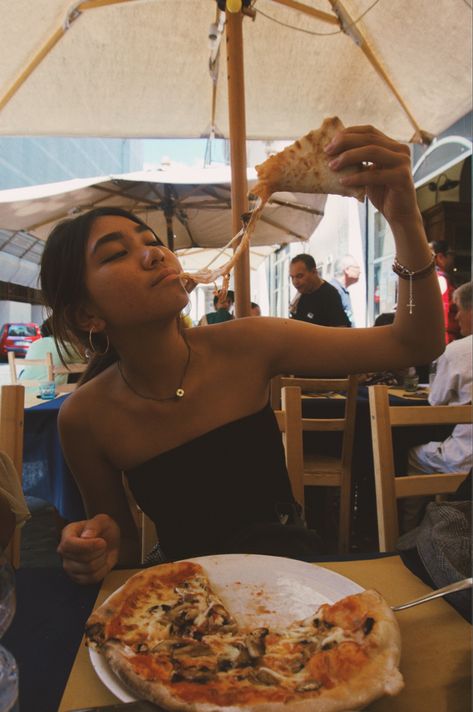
183,415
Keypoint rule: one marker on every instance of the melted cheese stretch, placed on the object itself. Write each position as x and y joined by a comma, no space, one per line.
206,275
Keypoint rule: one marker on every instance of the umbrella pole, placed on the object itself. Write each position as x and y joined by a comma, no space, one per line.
237,123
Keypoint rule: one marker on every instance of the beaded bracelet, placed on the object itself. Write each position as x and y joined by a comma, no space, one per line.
405,273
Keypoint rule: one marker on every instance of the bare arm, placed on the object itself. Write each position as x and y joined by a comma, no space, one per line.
295,347
92,547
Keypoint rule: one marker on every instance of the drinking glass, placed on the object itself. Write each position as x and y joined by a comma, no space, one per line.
47,390
8,667
8,682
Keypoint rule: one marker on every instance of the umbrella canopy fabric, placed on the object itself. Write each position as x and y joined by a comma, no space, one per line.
140,68
196,201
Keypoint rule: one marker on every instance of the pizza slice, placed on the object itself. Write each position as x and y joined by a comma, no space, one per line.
167,635
159,604
302,167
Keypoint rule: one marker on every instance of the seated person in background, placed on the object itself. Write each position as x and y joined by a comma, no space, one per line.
222,304
184,413
319,302
40,348
444,264
452,385
255,309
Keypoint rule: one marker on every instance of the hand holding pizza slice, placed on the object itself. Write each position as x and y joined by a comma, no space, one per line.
303,167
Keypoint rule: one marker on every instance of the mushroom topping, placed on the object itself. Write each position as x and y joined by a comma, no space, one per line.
265,676
194,674
192,650
160,608
255,642
368,625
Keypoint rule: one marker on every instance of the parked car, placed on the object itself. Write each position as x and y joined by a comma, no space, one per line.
17,337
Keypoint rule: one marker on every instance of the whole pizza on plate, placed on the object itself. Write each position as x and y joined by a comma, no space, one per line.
171,639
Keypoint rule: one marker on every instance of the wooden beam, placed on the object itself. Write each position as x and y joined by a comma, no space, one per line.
324,16
48,45
349,28
237,123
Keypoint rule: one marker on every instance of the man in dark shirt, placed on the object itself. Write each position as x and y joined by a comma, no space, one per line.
319,301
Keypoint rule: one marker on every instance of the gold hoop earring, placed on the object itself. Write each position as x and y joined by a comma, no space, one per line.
92,347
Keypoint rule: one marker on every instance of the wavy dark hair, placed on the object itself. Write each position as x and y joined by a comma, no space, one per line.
63,288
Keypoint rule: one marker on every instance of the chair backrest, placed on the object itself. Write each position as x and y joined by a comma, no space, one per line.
293,425
14,364
346,424
11,442
61,370
391,487
289,419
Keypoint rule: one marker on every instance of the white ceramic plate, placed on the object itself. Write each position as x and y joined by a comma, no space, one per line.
258,590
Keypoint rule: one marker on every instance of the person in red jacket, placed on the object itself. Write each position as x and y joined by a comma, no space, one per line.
444,262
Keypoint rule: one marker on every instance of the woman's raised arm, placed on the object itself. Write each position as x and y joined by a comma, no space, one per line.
416,336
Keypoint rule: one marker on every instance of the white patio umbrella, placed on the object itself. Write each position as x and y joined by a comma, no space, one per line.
141,68
189,208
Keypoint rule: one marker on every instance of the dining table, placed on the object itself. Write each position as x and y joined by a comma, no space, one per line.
46,475
436,643
57,674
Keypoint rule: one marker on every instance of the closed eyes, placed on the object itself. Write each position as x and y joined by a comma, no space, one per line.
123,253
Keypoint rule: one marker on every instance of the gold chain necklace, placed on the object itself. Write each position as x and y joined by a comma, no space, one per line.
179,393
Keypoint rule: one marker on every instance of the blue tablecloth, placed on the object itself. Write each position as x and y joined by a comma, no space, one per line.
45,472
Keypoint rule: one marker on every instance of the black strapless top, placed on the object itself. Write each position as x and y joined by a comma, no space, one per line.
202,493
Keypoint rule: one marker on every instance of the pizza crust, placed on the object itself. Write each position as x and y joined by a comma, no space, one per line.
302,167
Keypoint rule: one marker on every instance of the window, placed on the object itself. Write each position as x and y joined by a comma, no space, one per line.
381,279
278,280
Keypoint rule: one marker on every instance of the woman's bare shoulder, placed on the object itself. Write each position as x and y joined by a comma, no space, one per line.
86,402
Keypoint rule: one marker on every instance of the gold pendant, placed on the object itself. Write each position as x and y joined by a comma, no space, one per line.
179,393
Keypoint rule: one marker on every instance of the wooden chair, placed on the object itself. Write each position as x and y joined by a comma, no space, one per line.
308,469
391,487
15,363
11,442
61,370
